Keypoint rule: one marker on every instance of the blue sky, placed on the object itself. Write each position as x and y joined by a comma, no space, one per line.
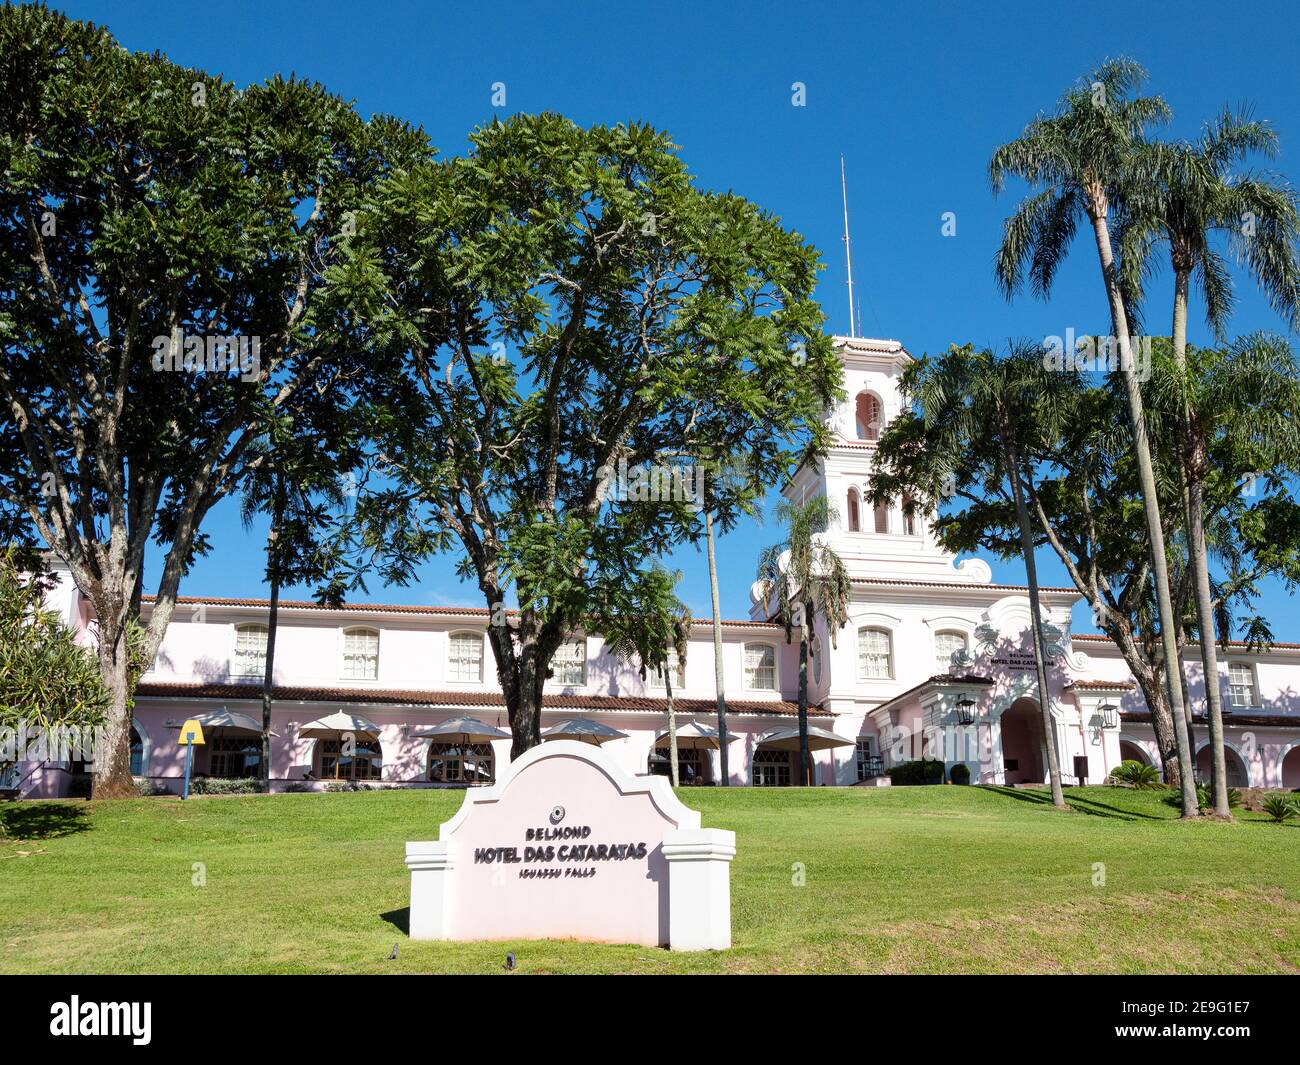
915,95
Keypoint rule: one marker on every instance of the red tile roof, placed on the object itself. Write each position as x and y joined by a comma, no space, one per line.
394,608
1101,685
410,697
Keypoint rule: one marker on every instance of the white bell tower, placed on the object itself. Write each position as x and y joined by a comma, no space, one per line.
875,543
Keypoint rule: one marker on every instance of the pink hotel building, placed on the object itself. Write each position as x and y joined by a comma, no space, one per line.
933,654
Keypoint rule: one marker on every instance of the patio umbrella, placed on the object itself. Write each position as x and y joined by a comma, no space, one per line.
223,718
694,737
461,730
584,730
327,727
787,739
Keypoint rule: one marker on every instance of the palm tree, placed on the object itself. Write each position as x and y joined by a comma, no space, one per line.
989,406
807,577
1193,193
652,625
719,688
1082,159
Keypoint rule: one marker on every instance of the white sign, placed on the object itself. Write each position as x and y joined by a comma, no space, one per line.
565,845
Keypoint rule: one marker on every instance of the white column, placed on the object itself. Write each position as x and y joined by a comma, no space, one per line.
699,887
431,864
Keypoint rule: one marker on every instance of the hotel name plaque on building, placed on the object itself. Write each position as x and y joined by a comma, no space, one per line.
618,859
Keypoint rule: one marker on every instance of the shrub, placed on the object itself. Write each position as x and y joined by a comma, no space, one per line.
1205,799
224,786
1134,774
146,788
960,773
1281,807
924,771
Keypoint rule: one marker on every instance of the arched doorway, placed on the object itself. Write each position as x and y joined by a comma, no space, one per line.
1133,752
1291,769
1238,777
1023,743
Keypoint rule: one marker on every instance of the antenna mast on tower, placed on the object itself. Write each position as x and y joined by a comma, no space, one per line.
848,254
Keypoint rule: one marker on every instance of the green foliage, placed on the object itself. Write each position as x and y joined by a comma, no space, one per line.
960,773
1134,774
1280,807
225,786
556,307
1206,801
921,771
46,678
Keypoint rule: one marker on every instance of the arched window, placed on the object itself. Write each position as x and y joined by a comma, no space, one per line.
234,755
760,667
461,763
875,654
348,759
694,766
465,656
855,511
882,518
909,516
360,654
137,754
947,644
250,651
869,416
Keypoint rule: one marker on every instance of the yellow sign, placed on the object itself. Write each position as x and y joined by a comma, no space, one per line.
191,726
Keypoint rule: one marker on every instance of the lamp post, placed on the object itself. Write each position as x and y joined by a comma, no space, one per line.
965,710
1109,715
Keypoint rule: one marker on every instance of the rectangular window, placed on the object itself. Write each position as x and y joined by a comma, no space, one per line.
946,645
465,657
875,655
868,764
569,666
760,667
250,651
1241,683
679,677
361,654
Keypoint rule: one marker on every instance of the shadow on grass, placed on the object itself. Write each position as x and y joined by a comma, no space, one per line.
1091,807
399,919
41,820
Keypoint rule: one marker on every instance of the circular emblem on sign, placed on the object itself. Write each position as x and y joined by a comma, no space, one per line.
557,814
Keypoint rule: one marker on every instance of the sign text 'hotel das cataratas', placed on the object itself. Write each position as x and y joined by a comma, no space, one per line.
565,845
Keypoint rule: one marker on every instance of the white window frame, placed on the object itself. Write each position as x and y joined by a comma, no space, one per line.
343,651
1249,667
235,668
944,667
889,653
452,637
679,677
558,663
750,674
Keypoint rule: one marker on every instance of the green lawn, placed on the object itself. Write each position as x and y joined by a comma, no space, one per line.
939,879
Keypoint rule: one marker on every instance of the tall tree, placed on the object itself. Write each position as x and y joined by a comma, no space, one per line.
979,414
1081,484
1191,194
162,238
1083,158
719,681
645,620
808,580
302,482
560,325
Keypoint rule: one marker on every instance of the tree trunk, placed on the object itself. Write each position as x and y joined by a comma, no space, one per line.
672,729
526,712
805,756
112,777
272,626
1153,691
1194,463
1035,620
719,687
1150,504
